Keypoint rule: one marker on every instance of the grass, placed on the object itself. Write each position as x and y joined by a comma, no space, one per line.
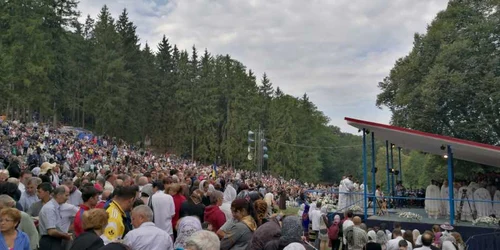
290,211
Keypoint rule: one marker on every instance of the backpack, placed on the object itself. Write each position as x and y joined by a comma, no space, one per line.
333,231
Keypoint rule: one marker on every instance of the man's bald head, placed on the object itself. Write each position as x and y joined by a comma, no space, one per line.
143,181
356,220
119,183
427,239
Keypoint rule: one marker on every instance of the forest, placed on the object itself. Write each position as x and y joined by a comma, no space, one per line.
100,76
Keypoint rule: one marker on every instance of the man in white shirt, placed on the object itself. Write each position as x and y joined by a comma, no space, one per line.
394,243
146,236
315,217
163,207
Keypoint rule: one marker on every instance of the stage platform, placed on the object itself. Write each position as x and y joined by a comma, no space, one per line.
466,229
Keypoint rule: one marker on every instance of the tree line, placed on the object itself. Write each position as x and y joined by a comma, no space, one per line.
99,76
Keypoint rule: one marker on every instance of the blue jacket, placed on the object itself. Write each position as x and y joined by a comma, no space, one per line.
22,242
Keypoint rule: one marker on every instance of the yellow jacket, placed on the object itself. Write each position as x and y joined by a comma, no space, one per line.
115,229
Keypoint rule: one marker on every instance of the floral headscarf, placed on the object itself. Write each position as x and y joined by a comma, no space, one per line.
187,226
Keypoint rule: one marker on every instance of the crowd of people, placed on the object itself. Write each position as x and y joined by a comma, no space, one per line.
59,190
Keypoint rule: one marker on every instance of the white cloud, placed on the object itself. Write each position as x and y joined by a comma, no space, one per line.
335,51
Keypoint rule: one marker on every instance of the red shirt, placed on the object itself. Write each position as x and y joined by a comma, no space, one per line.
78,223
178,200
101,204
215,217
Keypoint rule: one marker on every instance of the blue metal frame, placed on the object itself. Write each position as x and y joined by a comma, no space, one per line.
365,177
400,176
374,181
387,166
450,185
392,168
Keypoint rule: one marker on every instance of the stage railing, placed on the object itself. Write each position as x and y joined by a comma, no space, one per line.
489,241
456,201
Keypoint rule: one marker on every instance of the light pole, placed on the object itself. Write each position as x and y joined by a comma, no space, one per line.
257,149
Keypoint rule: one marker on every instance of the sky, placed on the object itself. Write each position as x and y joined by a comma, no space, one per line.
336,51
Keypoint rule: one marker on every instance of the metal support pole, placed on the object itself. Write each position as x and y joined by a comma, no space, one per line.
392,169
365,177
400,171
387,166
450,186
374,184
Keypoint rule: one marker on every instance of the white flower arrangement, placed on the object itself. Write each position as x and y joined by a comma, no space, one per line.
355,208
410,216
485,220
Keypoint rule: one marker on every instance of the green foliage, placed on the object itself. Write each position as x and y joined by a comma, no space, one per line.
95,75
449,84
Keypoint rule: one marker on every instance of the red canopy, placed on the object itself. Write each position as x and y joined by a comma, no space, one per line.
432,143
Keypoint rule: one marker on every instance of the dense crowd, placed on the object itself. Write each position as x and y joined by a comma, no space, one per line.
61,188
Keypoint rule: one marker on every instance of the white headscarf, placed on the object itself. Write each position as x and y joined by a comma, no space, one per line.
372,236
187,226
201,185
229,194
416,233
294,246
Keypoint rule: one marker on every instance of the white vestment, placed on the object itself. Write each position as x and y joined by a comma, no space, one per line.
342,197
484,209
444,209
496,205
350,196
356,195
432,206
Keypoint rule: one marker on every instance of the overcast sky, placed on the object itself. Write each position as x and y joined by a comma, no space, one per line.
336,51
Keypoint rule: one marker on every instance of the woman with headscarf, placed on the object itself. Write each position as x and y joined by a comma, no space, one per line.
415,233
335,244
229,196
193,206
382,239
323,229
187,226
418,241
260,208
291,232
372,241
204,187
240,234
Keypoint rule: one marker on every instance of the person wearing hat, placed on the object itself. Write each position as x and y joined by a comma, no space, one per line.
48,169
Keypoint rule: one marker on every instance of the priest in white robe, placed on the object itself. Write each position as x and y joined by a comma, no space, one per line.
444,209
356,194
483,203
350,189
496,204
342,196
431,204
